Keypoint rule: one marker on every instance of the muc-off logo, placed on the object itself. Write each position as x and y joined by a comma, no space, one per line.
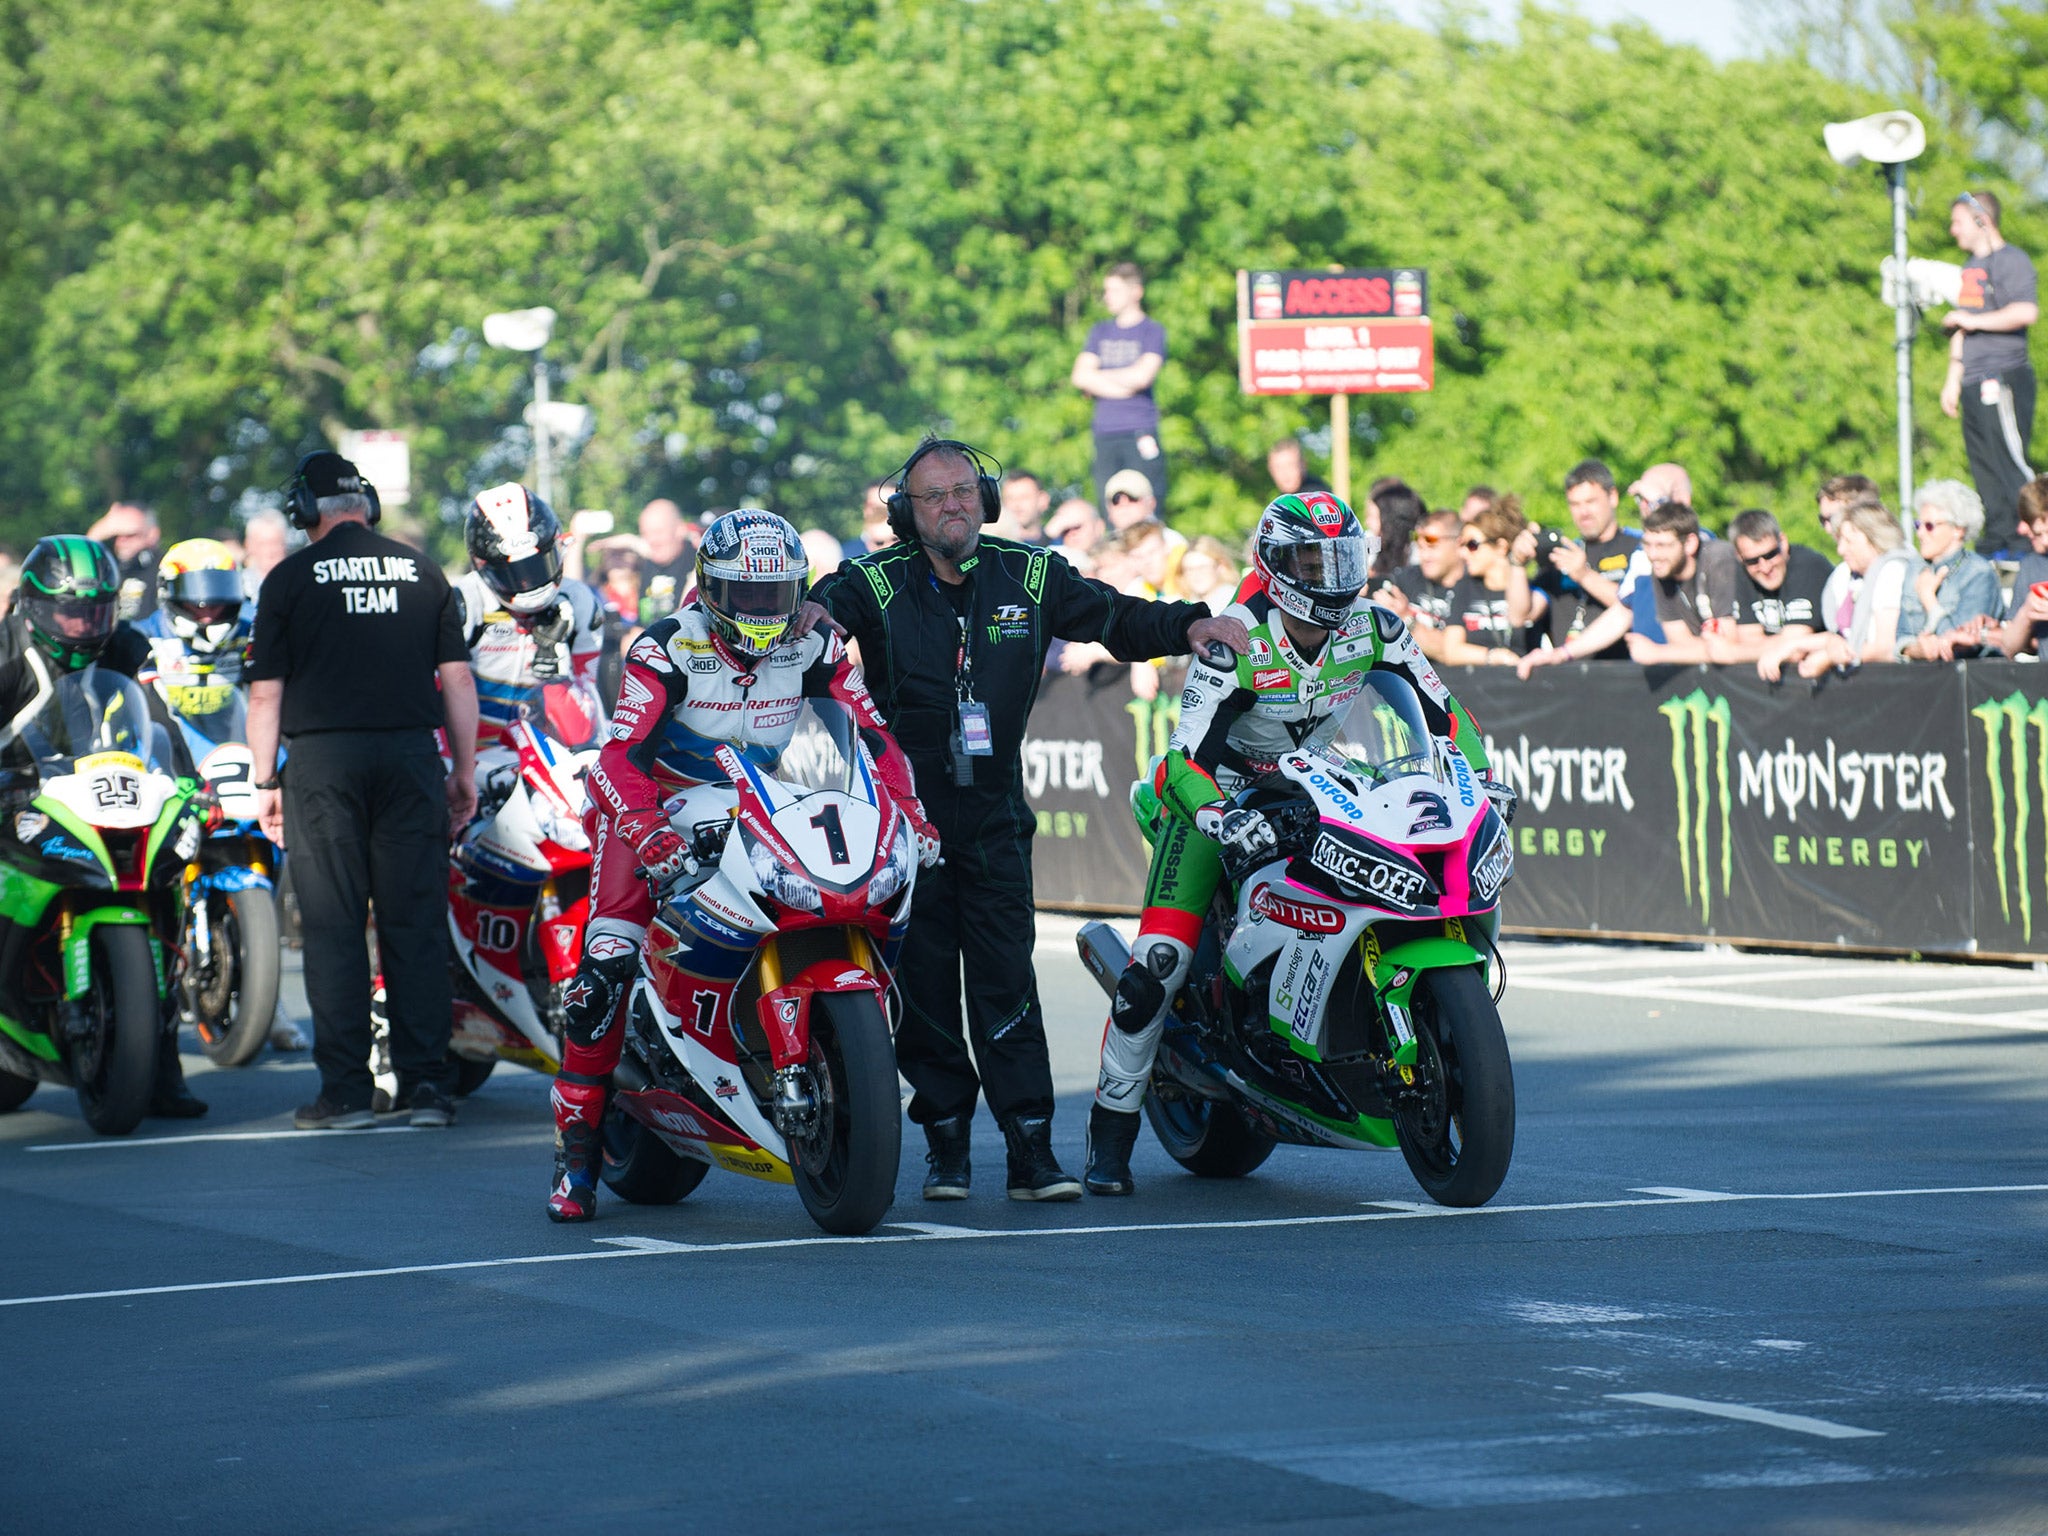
2011,725
1699,774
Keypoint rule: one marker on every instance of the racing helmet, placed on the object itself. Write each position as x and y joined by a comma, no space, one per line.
514,541
199,589
69,589
1314,556
752,574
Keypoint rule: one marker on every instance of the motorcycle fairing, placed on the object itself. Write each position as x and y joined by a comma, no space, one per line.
786,1012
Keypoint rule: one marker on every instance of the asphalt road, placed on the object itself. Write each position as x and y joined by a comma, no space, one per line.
1771,1259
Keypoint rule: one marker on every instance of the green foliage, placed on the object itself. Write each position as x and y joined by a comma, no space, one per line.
785,240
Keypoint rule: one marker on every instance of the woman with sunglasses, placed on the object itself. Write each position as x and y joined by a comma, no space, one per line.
1493,603
1956,590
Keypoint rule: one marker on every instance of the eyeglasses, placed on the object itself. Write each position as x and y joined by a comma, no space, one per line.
1471,544
1752,561
930,500
1928,526
1123,496
1430,540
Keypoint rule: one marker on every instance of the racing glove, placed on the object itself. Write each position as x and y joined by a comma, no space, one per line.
1504,800
923,833
1244,837
548,637
661,851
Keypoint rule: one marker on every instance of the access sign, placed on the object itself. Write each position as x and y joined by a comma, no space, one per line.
1363,331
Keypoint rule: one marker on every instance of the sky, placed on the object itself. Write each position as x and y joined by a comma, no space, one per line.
1721,27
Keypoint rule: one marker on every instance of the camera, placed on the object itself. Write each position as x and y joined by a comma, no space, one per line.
1547,540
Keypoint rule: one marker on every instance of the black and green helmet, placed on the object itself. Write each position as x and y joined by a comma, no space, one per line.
1314,556
69,589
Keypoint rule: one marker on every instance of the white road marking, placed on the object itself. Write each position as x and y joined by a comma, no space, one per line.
1675,1192
936,1229
1799,1423
2034,989
175,1141
627,1247
1828,1007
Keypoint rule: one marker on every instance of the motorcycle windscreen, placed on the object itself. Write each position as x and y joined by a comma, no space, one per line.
819,753
89,712
1386,734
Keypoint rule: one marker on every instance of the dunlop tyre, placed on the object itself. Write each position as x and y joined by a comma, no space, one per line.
1459,1147
639,1166
123,996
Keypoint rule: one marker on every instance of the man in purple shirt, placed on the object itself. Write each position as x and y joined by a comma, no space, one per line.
1121,358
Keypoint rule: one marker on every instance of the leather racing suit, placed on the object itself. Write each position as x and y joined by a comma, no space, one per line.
514,657
682,694
1234,726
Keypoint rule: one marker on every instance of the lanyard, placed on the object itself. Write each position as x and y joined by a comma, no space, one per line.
963,661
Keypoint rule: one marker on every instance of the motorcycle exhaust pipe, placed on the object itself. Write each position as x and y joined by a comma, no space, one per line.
629,1076
1104,952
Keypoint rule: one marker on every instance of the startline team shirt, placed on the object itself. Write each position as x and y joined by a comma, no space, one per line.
1117,346
1797,600
2004,277
354,626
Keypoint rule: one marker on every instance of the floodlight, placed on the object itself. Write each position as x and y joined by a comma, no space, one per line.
1883,138
571,423
520,330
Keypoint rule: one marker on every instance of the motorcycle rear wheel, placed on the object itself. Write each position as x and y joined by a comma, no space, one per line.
114,1091
1208,1138
846,1173
1459,1142
14,1090
245,940
471,1075
640,1168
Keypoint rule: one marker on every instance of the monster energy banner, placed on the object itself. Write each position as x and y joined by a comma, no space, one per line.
1901,808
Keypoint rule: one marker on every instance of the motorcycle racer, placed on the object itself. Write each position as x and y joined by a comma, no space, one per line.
524,625
1313,640
729,668
199,610
63,620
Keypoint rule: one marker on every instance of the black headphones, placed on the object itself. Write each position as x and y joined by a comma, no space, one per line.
901,518
301,506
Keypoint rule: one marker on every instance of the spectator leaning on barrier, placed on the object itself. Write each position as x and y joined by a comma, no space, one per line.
353,635
1778,590
1288,466
2025,619
1690,591
1483,629
1872,548
1423,593
1584,579
1990,380
1832,501
1955,590
1118,365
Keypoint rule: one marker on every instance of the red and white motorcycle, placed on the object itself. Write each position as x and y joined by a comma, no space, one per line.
518,900
758,1034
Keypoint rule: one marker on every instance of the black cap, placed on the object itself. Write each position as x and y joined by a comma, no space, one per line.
328,474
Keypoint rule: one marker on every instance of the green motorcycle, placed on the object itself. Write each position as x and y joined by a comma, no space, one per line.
95,842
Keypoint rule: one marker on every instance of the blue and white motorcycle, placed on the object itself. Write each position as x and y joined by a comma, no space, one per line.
228,977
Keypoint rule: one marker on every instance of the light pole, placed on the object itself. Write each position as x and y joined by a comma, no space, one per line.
1891,139
528,330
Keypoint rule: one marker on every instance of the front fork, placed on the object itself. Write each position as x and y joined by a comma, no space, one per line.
1394,972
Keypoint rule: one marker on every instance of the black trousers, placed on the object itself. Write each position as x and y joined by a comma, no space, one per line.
1997,435
1119,450
973,914
366,821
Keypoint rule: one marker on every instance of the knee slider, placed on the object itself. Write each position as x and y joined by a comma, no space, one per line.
1140,998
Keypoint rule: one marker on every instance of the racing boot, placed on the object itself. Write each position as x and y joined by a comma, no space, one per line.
579,1100
950,1172
169,1098
1035,1174
1112,1134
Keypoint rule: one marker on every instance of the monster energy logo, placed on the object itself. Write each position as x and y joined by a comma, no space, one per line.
1700,773
1154,720
2007,770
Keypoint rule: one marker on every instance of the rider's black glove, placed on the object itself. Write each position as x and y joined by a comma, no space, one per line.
549,635
1504,800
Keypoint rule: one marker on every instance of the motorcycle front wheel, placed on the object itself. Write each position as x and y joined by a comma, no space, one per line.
115,1068
1458,1135
234,1002
845,1170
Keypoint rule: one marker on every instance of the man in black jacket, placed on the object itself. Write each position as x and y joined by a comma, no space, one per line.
953,630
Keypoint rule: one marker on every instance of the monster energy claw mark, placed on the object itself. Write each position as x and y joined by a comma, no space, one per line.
1699,797
2005,723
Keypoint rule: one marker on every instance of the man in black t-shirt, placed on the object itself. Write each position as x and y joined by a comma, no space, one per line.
353,633
1585,579
1422,592
1990,380
1778,588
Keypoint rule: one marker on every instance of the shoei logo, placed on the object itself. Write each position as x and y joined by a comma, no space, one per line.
2011,725
1699,774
